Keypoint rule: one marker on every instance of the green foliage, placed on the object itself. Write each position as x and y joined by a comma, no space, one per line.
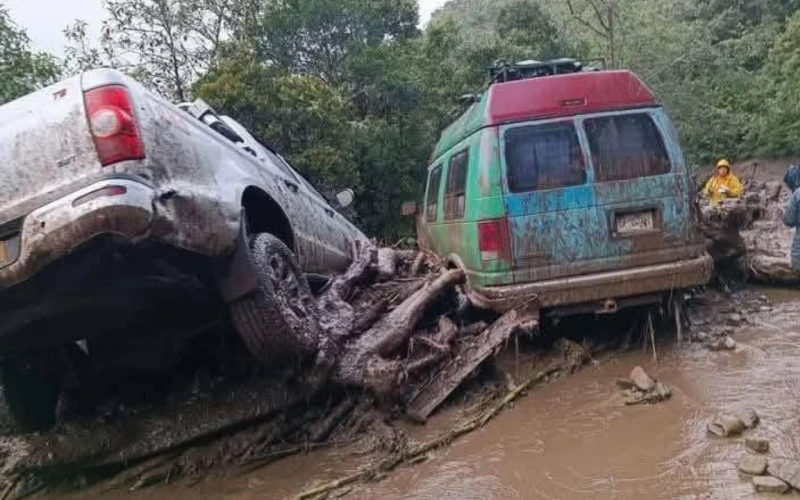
355,95
22,69
778,131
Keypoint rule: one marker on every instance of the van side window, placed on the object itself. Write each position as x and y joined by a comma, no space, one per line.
544,156
456,187
626,147
432,203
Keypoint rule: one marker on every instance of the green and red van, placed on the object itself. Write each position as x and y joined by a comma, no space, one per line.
570,189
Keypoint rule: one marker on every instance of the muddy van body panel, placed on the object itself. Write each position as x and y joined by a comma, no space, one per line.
562,232
484,200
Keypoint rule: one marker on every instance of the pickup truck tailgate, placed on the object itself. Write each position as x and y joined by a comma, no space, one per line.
45,145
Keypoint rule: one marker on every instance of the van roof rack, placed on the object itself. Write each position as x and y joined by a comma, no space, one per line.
502,71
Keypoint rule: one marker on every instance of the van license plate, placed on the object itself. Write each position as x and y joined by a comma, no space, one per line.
637,222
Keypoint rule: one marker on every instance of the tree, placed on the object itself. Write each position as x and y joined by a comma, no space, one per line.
316,36
22,69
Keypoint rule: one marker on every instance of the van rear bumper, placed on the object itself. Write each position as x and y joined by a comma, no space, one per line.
598,286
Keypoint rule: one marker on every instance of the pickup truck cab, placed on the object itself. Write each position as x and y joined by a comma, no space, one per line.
567,187
123,218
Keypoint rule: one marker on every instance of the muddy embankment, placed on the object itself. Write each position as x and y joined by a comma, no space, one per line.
747,236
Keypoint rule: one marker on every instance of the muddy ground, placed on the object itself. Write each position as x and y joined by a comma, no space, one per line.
572,437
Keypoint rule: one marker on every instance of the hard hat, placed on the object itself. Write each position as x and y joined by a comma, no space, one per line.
724,163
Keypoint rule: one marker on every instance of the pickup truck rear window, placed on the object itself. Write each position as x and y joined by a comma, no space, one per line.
432,202
540,157
626,147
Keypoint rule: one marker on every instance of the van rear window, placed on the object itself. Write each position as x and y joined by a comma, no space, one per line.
626,147
542,157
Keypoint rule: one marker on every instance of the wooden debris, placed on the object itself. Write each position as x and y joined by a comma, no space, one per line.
466,358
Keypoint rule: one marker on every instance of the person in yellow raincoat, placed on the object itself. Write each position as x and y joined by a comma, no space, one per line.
724,184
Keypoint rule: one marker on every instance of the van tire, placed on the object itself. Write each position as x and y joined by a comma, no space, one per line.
31,387
278,322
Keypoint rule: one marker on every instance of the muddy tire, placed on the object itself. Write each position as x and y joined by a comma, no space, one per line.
31,386
278,323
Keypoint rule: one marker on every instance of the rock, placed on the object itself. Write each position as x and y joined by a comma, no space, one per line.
764,309
755,465
642,380
763,298
785,469
735,319
757,444
766,484
661,392
726,426
748,416
729,344
728,330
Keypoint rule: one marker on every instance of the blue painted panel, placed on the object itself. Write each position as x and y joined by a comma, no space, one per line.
564,232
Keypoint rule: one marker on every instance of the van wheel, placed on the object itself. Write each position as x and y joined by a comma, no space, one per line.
279,321
31,386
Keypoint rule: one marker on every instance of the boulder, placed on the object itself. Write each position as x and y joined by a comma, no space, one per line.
766,484
755,465
642,380
757,444
785,469
729,344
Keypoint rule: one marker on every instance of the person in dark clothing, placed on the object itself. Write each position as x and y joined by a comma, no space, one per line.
791,217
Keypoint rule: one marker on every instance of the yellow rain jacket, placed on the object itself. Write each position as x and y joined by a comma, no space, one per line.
720,188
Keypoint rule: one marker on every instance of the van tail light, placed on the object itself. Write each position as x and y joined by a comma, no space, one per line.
493,239
113,124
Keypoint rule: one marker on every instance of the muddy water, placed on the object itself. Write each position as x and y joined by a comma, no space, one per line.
575,439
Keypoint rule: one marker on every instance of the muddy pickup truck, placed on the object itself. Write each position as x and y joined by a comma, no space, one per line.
124,219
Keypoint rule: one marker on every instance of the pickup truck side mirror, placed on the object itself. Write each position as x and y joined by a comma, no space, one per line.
409,208
345,198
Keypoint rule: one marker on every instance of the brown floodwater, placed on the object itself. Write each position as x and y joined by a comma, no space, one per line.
575,439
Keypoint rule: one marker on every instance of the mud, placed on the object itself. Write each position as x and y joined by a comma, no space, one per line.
575,438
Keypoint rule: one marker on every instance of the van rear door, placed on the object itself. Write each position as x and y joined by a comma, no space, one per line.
595,193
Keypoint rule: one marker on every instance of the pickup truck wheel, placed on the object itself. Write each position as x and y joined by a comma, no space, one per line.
279,321
31,388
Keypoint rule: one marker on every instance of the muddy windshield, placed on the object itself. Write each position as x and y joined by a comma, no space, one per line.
626,147
544,157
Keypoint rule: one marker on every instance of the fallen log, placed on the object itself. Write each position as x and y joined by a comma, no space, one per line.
468,356
364,362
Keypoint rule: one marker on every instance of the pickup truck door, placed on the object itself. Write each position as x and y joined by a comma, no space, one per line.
285,187
321,242
328,226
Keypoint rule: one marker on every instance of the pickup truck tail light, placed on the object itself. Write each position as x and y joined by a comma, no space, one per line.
493,239
113,124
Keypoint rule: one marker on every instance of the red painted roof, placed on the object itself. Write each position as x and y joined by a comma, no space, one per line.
564,95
